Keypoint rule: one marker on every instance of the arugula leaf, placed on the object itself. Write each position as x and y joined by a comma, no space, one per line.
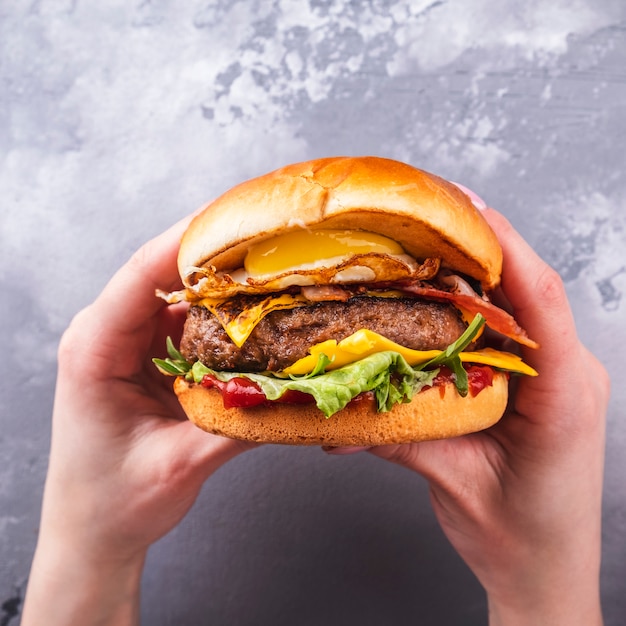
460,376
456,347
175,365
450,356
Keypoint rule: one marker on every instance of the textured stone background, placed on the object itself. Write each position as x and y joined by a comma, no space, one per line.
117,118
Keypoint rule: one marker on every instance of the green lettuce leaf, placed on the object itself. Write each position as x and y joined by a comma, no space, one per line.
387,374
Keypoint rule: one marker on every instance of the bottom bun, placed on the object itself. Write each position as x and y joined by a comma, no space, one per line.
434,413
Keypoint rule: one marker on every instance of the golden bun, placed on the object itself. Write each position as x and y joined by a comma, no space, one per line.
426,214
434,413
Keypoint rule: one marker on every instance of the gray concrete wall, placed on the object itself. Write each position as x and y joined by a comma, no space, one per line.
117,118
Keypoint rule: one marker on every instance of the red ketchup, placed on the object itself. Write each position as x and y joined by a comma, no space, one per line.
243,393
478,377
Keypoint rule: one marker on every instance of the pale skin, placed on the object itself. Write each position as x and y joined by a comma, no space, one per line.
520,502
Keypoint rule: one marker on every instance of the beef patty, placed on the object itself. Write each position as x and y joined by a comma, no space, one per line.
283,337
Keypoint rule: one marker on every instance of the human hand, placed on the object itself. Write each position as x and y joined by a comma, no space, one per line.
125,464
521,501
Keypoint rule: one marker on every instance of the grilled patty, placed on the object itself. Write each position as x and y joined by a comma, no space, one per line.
283,337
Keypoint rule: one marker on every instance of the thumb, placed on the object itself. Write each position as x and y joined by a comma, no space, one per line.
413,456
198,454
444,463
440,462
209,452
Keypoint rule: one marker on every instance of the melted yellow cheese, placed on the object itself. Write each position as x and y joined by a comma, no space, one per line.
302,248
365,342
239,323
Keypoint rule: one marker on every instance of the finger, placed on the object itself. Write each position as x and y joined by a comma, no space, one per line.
430,459
170,323
204,451
477,201
413,456
129,298
538,297
439,462
344,450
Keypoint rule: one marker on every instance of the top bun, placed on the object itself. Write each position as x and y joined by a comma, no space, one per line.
425,214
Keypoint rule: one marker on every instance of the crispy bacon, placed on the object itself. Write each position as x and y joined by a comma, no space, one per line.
455,283
497,319
324,293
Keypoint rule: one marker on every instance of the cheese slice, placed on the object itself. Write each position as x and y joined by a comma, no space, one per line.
365,342
239,321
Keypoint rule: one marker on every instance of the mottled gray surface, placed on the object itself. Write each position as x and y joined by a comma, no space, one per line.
117,118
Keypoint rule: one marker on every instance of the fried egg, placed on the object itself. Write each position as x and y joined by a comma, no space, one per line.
313,257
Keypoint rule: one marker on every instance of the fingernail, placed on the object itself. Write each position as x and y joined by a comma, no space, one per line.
344,450
477,201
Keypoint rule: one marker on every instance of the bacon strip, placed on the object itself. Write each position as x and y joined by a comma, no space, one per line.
324,293
496,318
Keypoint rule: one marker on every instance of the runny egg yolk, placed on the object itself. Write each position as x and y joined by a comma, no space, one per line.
302,248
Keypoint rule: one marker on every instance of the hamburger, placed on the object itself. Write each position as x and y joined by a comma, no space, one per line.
342,301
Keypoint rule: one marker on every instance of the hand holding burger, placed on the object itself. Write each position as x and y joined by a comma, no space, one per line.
521,501
125,465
